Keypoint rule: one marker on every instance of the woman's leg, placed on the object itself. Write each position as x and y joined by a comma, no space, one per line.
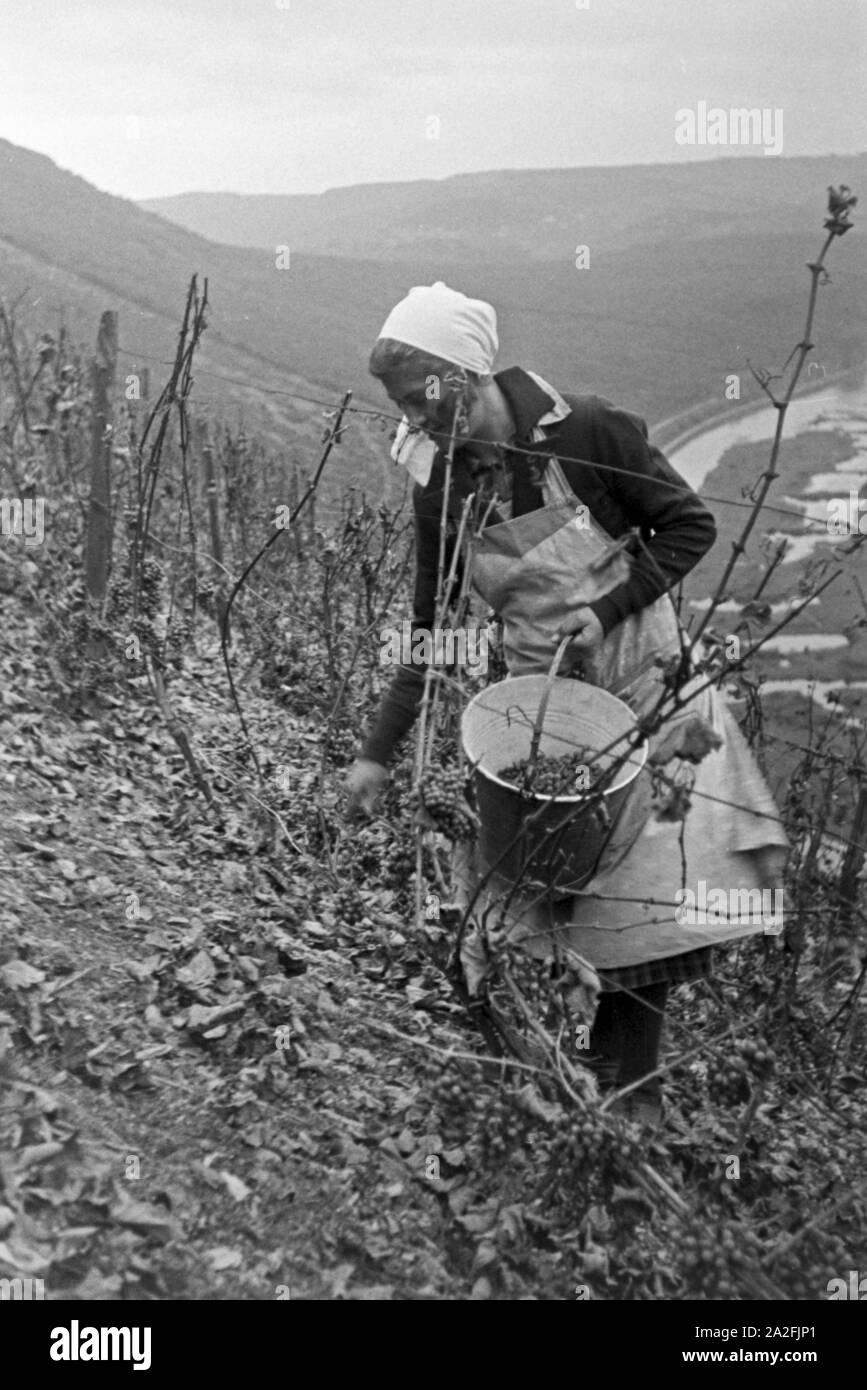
639,1024
605,1040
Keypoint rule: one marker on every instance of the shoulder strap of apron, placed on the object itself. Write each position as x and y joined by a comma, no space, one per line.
630,653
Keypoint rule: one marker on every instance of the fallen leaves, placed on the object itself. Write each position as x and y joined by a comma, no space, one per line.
144,1217
203,1019
18,974
224,1257
198,973
236,1188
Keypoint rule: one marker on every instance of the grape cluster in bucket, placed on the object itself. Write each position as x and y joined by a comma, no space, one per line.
566,775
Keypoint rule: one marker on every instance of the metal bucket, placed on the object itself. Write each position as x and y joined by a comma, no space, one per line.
557,853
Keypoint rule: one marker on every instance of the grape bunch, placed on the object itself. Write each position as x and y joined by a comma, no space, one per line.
605,1142
119,599
503,1127
367,852
533,979
455,1092
442,792
714,1259
561,776
149,596
340,746
459,1102
488,1121
349,904
585,1140
804,1272
88,627
730,1078
584,1154
400,865
757,1057
590,1155
180,634
728,1081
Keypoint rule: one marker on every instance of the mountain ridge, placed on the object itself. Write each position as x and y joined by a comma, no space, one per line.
628,205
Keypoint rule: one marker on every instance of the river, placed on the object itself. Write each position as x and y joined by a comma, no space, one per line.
840,407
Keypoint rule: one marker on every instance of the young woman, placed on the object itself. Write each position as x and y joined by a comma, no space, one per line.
525,447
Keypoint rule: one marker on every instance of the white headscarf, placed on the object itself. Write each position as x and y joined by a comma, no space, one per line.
446,324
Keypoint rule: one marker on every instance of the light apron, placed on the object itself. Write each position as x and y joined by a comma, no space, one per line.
534,571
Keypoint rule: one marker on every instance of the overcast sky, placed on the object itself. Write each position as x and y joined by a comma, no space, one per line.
151,97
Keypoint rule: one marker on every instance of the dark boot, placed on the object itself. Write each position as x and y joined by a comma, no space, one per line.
603,1057
639,1020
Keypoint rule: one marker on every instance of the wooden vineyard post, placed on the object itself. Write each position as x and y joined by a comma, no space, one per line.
295,537
216,538
853,865
311,517
98,546
239,492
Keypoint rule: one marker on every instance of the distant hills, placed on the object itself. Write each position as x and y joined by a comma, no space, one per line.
692,268
516,215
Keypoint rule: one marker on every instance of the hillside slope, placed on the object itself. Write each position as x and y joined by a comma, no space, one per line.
73,252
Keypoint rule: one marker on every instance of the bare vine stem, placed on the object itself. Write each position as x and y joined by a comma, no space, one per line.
332,435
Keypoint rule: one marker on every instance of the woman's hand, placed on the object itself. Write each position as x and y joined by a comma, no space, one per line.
364,782
587,629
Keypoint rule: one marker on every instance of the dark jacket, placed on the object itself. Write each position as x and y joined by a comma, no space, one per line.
673,522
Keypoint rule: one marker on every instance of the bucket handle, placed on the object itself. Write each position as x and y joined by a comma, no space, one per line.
543,706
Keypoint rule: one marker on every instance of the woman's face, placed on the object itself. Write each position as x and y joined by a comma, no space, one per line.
429,401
